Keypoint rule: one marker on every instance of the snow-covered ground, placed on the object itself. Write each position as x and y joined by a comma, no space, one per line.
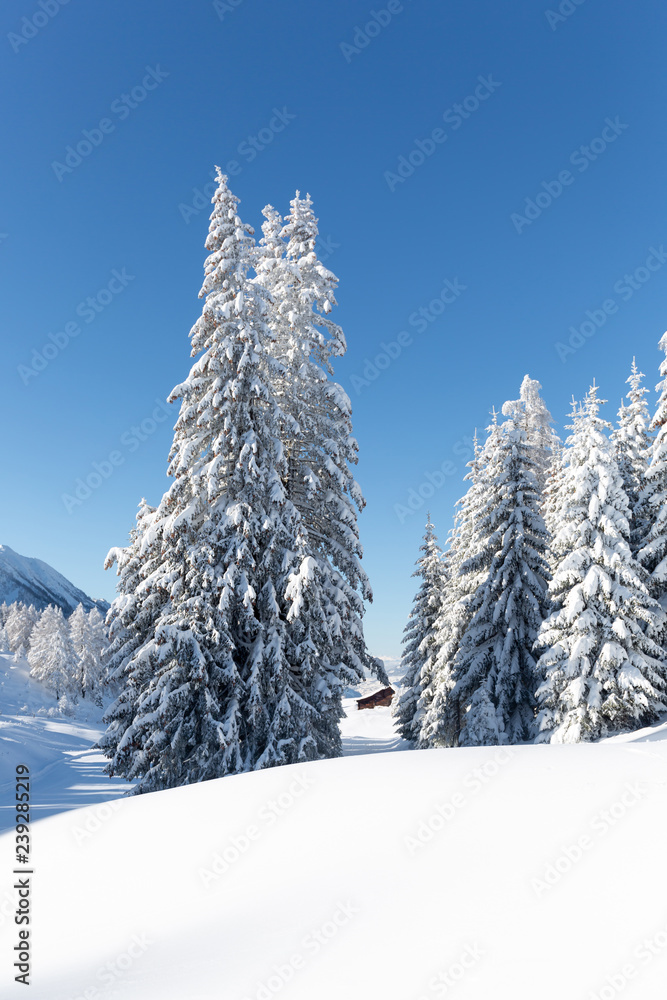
475,873
57,749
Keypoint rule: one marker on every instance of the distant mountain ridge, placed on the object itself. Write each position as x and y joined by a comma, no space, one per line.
35,582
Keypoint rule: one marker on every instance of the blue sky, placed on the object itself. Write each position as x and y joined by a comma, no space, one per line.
485,176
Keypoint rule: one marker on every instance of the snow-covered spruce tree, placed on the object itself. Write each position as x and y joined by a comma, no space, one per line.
51,657
86,638
530,414
441,720
21,621
600,670
130,622
316,433
419,634
632,442
99,641
494,670
229,678
652,506
4,641
4,613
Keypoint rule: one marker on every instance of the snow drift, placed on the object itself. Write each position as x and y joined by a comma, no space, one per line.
521,872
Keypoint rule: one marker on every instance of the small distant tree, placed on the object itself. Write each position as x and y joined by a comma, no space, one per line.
88,644
21,620
51,657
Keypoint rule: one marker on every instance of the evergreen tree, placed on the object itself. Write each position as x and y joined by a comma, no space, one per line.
419,635
632,442
652,507
442,718
494,671
4,641
4,613
600,670
51,657
316,433
228,675
20,623
86,641
530,414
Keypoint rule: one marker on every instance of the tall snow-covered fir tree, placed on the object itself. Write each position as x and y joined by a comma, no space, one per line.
442,717
600,670
652,506
316,433
530,414
494,670
419,635
632,441
230,676
131,623
51,657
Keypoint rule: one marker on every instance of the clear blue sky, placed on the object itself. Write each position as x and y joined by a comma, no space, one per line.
202,82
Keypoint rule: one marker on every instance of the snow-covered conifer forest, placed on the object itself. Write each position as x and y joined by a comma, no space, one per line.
544,618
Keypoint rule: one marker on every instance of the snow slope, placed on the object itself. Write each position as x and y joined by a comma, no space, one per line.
475,873
35,582
57,749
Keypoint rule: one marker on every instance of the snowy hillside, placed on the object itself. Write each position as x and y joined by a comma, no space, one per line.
522,872
56,749
35,582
